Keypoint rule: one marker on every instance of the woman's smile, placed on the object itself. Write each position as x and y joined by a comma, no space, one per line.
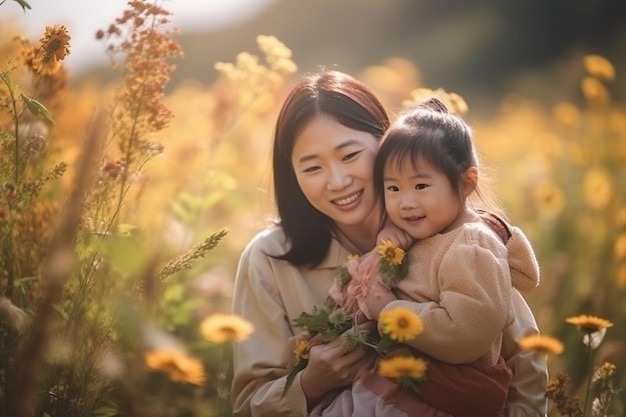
345,201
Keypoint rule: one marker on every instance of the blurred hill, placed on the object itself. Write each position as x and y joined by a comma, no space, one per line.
480,49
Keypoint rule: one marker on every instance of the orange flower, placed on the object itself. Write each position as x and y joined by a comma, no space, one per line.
403,366
302,350
589,324
541,344
221,328
178,366
599,66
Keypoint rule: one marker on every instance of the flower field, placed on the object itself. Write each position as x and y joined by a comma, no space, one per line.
124,207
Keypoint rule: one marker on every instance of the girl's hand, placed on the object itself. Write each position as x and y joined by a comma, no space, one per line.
398,236
331,366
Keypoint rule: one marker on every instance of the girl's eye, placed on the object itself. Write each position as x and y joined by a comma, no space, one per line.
351,156
393,188
421,186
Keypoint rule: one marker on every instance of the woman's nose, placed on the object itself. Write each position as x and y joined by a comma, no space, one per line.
339,178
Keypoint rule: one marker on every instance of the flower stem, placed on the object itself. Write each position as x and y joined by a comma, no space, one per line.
589,374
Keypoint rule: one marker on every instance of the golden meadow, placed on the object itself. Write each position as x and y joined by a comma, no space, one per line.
124,207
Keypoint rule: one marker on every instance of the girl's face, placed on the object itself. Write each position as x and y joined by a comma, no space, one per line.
420,201
334,168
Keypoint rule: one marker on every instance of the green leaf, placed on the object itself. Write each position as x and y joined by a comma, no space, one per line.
23,4
106,411
6,77
300,365
385,344
37,108
302,320
126,229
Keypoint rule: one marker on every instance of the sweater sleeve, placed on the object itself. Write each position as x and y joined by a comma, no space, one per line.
527,390
261,362
522,260
474,304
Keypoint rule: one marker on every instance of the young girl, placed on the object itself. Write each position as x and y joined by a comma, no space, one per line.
459,281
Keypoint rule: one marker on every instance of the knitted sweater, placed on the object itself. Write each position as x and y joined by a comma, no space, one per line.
462,284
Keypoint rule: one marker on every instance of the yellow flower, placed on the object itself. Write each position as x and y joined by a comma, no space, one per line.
589,323
566,113
178,366
401,324
549,198
352,257
402,366
453,101
56,41
620,247
45,64
392,253
221,328
53,47
621,218
598,188
599,66
541,344
278,56
302,350
621,277
594,91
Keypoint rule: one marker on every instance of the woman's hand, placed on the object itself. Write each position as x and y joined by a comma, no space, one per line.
331,366
398,236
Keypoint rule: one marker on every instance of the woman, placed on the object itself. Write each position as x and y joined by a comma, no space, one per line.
325,142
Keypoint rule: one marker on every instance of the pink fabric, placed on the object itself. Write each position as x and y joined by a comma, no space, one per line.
364,271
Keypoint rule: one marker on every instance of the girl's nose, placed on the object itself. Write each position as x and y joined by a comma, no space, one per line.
408,203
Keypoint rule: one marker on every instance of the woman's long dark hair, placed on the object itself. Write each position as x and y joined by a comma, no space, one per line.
351,103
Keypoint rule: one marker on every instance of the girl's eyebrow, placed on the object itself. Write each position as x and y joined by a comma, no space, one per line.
417,176
342,145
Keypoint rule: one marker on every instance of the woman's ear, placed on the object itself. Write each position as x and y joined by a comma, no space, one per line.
470,181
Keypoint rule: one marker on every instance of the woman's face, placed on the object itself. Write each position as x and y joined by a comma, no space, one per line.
334,167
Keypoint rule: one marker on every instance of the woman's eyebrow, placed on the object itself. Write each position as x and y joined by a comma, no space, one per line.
342,145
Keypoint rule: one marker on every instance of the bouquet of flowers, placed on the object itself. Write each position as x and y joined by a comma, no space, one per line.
344,313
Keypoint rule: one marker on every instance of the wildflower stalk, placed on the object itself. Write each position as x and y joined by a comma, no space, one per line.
185,261
142,110
223,375
7,81
56,269
589,373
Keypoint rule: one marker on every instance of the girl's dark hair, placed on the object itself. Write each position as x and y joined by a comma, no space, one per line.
351,103
430,132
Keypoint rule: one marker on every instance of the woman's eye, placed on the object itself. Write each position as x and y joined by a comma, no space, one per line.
310,169
351,155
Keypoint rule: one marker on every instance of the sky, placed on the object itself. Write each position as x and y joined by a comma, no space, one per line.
84,17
